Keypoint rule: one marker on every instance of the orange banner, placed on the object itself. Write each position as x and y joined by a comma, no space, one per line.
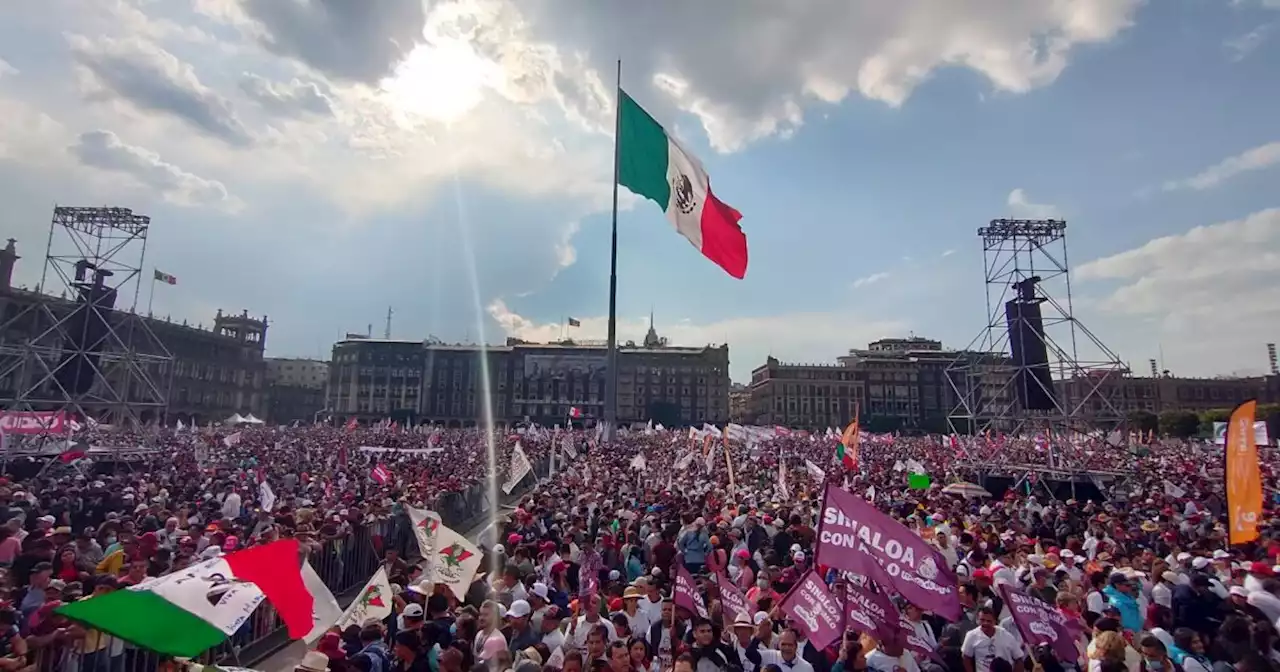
1244,478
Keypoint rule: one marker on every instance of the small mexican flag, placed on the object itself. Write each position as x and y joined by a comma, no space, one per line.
652,164
166,278
191,611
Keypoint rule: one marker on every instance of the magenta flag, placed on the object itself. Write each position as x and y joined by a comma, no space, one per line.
687,594
1039,623
869,611
855,536
732,601
815,609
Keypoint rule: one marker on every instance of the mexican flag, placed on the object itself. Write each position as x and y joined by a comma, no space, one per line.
652,164
188,612
454,561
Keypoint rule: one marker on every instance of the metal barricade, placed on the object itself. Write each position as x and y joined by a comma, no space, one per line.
343,564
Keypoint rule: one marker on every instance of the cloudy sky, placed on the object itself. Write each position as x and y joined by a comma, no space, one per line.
320,160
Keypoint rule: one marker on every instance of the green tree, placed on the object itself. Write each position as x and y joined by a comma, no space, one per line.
1179,424
1143,421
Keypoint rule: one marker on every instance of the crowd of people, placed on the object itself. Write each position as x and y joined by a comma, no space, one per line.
581,572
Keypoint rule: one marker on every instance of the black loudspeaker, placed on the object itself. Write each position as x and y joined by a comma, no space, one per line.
86,330
1027,343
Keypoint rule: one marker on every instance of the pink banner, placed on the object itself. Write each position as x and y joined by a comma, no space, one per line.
687,594
1041,623
732,601
855,536
815,610
34,422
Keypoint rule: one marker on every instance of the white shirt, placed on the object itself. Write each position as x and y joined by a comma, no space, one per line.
983,649
883,662
1162,595
651,609
578,639
774,657
554,639
1095,602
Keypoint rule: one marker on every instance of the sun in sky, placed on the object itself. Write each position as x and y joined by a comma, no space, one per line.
440,81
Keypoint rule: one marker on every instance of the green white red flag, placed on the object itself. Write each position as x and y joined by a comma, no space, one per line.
654,165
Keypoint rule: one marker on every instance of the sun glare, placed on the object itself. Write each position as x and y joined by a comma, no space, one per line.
441,81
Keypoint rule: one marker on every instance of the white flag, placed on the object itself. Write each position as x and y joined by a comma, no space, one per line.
784,492
374,601
639,463
425,525
1173,490
325,611
520,467
815,472
454,561
266,496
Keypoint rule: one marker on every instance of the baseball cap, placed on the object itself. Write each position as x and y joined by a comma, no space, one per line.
519,609
413,610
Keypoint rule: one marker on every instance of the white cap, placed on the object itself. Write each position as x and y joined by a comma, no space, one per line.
1171,577
413,610
1067,553
540,589
519,609
1239,590
1219,554
314,661
1184,556
1200,563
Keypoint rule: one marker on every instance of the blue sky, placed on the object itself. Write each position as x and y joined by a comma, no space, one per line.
320,161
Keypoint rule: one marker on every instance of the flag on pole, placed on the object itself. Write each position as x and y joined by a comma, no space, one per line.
847,450
1243,475
380,474
574,323
454,561
652,164
167,279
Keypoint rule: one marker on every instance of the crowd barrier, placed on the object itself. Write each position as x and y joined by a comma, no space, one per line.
344,564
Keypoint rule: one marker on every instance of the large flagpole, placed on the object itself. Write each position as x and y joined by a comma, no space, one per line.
611,359
151,295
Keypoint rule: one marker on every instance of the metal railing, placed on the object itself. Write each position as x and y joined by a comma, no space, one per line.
344,564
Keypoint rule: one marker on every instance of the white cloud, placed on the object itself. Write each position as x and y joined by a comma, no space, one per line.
1241,46
105,151
948,253
765,62
805,337
1257,158
870,280
6,69
1213,292
1020,206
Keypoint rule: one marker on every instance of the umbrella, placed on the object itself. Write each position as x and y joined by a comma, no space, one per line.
963,489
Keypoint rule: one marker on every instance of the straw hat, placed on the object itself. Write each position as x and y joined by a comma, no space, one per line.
313,661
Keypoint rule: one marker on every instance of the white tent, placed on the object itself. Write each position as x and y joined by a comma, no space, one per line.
236,419
249,419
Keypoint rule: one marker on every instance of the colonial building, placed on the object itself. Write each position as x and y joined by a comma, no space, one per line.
432,382
296,389
1168,393
191,373
894,383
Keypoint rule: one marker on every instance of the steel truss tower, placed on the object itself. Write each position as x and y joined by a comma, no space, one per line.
77,344
1026,261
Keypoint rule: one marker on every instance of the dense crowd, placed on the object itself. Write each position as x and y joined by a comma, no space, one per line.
580,573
